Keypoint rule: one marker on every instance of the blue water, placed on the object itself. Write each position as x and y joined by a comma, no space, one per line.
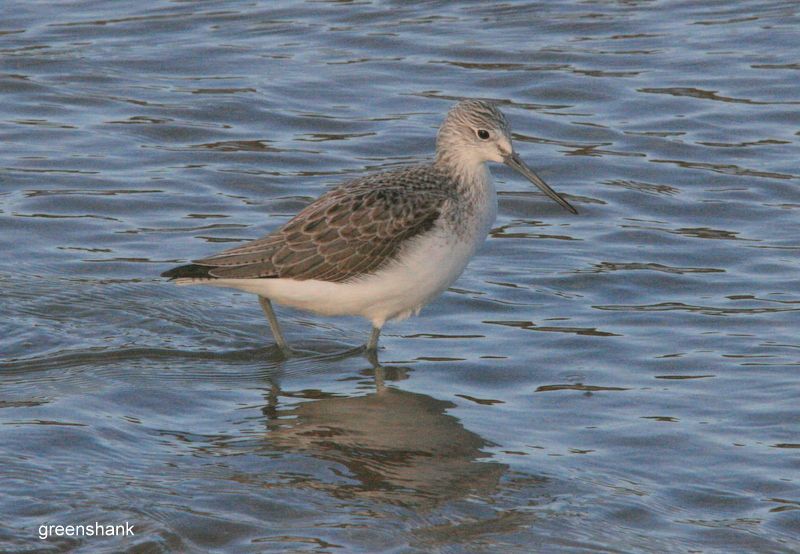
625,380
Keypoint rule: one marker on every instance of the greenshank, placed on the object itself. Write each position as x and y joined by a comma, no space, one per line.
384,245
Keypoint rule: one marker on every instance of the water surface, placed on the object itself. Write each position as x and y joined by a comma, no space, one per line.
625,380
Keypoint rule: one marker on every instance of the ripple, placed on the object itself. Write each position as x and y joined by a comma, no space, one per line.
95,356
579,387
648,188
728,169
708,95
530,326
604,267
679,306
88,192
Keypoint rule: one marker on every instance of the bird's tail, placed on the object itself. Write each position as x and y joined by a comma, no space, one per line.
189,271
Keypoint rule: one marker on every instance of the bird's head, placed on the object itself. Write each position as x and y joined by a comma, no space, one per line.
475,132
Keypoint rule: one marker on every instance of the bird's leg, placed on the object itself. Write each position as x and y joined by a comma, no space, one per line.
372,345
266,305
371,350
380,383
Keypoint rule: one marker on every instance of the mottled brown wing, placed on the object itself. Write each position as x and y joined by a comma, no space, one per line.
352,230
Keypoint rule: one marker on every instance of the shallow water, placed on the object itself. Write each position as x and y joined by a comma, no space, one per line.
625,380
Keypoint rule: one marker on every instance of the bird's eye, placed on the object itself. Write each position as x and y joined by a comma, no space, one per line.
483,134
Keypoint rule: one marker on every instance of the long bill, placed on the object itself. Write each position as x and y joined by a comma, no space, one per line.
514,162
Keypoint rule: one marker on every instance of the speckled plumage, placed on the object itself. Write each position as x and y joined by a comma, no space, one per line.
354,229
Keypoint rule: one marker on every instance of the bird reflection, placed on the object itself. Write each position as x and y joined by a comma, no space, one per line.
400,447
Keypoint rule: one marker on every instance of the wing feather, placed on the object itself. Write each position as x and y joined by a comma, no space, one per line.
353,230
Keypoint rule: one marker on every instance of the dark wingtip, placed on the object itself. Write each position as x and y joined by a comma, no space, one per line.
190,271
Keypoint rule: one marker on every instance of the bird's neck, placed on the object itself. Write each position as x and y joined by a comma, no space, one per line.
467,170
471,214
